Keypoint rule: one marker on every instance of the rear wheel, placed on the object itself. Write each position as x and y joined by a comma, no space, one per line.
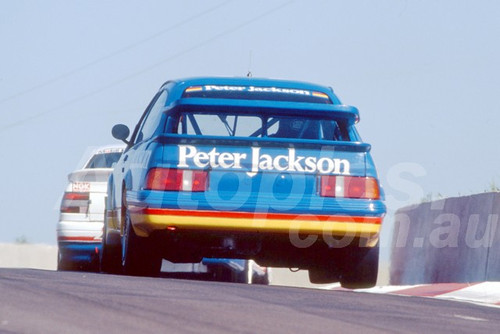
325,267
323,275
139,255
62,264
110,256
360,268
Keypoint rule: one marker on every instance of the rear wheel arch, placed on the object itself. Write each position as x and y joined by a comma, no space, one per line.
125,186
123,208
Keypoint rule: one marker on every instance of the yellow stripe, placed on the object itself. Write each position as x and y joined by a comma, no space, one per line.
145,224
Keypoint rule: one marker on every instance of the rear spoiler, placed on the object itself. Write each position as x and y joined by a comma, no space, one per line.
90,175
332,110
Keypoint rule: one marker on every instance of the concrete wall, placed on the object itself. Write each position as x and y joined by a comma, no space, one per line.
28,256
450,240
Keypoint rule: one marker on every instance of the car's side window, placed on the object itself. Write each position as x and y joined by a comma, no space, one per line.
150,122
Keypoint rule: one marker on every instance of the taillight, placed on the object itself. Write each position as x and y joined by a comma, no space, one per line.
75,202
349,187
167,179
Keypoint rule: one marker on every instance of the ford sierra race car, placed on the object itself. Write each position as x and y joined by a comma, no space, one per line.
79,229
269,170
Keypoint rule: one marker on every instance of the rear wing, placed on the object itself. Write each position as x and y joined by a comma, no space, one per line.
90,175
298,108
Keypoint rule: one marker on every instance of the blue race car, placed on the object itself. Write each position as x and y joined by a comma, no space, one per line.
245,168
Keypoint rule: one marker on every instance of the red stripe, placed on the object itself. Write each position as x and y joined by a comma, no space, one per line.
79,239
432,290
255,215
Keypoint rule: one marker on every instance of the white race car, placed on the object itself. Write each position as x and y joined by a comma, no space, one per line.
79,230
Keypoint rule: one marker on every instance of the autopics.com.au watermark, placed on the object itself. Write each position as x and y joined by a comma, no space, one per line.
402,189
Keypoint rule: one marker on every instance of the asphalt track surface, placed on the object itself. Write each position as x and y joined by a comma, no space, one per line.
38,301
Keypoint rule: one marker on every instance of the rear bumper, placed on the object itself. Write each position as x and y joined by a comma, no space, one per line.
148,220
79,231
79,252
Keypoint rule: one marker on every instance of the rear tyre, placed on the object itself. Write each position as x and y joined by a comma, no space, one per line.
323,276
139,255
110,257
62,264
360,268
325,267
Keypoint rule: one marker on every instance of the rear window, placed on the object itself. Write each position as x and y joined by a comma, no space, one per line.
103,160
257,93
306,128
236,125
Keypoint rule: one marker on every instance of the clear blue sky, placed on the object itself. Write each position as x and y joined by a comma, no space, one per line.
424,74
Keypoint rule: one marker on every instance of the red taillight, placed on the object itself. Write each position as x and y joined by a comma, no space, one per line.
349,187
164,179
75,202
355,187
167,179
199,180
